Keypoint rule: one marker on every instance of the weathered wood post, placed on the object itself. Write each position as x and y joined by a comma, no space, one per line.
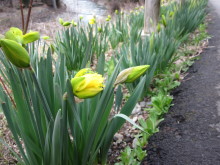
51,3
151,15
54,4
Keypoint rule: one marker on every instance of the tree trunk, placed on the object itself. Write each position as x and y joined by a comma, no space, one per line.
151,15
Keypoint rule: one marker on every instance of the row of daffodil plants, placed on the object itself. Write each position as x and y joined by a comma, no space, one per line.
161,98
83,44
159,49
160,52
59,111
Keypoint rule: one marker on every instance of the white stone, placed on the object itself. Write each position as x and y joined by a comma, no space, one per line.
136,109
119,137
143,104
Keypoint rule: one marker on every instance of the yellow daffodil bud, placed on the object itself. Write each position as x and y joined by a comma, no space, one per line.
74,23
64,23
61,21
80,17
99,29
164,20
87,84
107,19
14,34
171,14
129,75
116,12
158,28
30,37
92,21
45,37
15,53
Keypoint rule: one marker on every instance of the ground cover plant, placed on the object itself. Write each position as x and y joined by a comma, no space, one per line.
60,111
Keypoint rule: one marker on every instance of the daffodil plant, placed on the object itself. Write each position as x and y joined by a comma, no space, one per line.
60,118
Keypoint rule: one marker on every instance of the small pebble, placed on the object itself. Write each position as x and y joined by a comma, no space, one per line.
134,143
136,109
143,104
119,137
135,119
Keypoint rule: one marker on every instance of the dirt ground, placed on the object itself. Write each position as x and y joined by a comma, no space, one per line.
190,133
43,19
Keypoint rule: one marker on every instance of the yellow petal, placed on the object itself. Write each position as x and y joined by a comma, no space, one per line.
89,92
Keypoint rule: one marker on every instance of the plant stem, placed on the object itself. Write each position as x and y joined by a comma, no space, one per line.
22,15
28,17
6,90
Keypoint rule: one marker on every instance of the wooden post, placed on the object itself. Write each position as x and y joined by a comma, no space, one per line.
151,15
51,3
54,4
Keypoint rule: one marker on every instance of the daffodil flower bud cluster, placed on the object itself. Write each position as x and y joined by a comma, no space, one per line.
108,18
87,84
12,45
92,20
17,35
66,23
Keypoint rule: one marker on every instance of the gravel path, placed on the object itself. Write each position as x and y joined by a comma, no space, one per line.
190,133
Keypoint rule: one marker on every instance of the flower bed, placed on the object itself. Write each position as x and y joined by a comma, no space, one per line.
60,113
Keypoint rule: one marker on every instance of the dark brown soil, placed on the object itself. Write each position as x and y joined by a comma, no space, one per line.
190,133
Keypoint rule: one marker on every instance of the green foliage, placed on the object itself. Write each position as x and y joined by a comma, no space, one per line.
128,157
160,104
166,82
48,123
156,51
45,109
202,34
180,21
182,24
75,46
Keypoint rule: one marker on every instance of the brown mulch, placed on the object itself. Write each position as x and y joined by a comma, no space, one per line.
6,156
